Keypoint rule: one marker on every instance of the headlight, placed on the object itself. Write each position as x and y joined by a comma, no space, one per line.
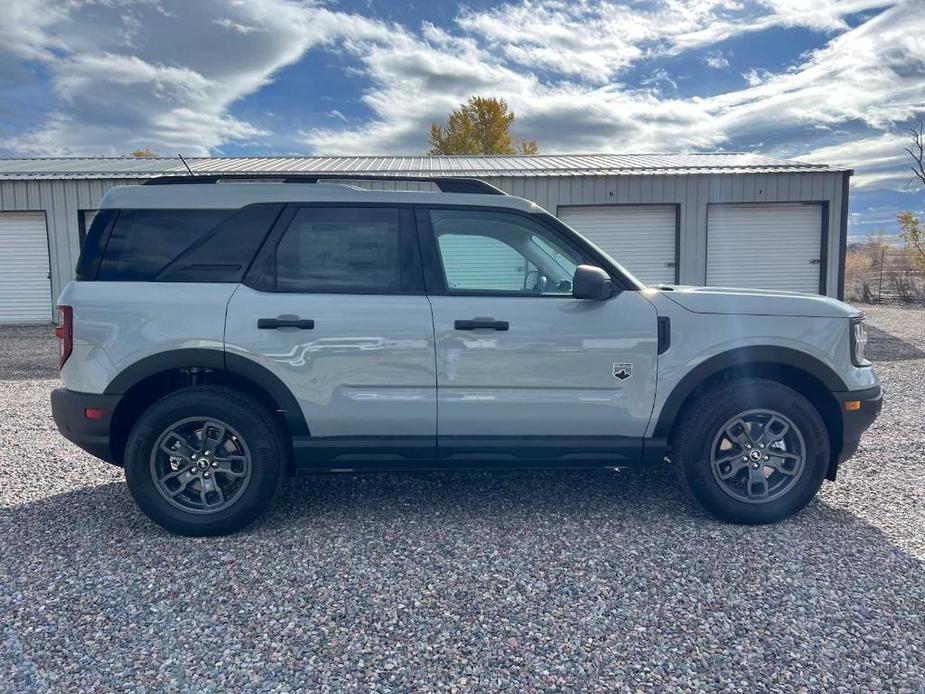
858,342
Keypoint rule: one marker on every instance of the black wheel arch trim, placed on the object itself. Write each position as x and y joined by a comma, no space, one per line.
273,385
743,357
215,359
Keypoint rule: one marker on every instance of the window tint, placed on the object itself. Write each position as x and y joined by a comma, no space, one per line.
91,247
179,245
497,251
332,249
224,254
481,262
84,222
143,242
557,256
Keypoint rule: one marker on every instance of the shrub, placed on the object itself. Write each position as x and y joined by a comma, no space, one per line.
906,286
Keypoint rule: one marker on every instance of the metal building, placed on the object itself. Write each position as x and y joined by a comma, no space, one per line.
717,219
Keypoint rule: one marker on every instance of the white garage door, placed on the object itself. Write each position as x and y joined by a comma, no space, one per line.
25,291
765,246
639,237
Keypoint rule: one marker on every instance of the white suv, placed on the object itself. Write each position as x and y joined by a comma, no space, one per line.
222,333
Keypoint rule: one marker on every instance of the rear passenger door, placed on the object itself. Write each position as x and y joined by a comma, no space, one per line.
335,307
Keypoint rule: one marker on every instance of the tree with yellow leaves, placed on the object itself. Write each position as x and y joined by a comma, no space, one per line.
482,125
145,153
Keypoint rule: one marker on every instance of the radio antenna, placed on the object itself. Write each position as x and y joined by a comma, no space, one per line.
185,164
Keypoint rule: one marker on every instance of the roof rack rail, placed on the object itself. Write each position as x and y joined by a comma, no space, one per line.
446,184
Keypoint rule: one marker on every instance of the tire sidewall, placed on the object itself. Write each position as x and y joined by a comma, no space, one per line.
243,416
715,412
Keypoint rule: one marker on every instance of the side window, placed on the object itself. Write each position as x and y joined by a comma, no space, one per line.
175,245
224,254
144,242
473,261
502,252
92,247
336,249
84,222
557,256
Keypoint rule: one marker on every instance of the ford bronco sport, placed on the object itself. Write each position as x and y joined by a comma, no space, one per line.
222,333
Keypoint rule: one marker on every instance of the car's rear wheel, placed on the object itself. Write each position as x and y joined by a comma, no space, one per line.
751,451
204,460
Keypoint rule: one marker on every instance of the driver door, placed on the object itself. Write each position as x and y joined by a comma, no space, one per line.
525,371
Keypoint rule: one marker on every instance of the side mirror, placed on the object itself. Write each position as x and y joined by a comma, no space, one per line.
592,283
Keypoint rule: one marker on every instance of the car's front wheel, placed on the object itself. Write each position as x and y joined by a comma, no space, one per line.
204,460
751,451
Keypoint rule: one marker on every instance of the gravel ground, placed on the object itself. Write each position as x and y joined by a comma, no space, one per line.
517,582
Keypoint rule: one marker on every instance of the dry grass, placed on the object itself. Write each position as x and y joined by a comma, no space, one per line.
876,274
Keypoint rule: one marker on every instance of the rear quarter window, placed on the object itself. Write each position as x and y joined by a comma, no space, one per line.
177,245
91,247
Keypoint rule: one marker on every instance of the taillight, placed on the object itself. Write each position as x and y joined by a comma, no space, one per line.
64,331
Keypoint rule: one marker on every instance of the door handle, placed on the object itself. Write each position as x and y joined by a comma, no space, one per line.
274,323
481,324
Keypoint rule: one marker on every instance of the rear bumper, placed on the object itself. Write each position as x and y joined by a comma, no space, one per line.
856,422
69,408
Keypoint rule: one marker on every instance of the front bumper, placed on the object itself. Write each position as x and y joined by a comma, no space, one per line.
856,422
69,409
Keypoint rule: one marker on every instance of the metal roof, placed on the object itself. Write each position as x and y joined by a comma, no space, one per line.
541,165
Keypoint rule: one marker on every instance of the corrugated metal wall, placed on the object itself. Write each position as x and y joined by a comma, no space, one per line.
61,200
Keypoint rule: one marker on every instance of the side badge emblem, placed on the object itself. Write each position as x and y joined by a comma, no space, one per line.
623,370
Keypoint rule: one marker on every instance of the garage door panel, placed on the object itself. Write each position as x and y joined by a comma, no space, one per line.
642,238
775,246
25,291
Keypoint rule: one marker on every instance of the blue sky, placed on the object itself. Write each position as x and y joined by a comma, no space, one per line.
833,81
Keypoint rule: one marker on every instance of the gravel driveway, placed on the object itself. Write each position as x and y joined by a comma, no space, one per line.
465,581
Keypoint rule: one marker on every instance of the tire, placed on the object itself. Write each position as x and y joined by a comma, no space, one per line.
204,460
709,454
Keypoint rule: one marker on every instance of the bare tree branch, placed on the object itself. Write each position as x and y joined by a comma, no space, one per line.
918,155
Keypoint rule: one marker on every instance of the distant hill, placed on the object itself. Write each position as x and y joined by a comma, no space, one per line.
857,242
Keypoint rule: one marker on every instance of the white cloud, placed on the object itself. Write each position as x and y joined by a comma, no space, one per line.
595,40
754,77
83,73
232,25
562,66
659,76
582,39
716,60
878,162
169,79
24,31
872,75
818,15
